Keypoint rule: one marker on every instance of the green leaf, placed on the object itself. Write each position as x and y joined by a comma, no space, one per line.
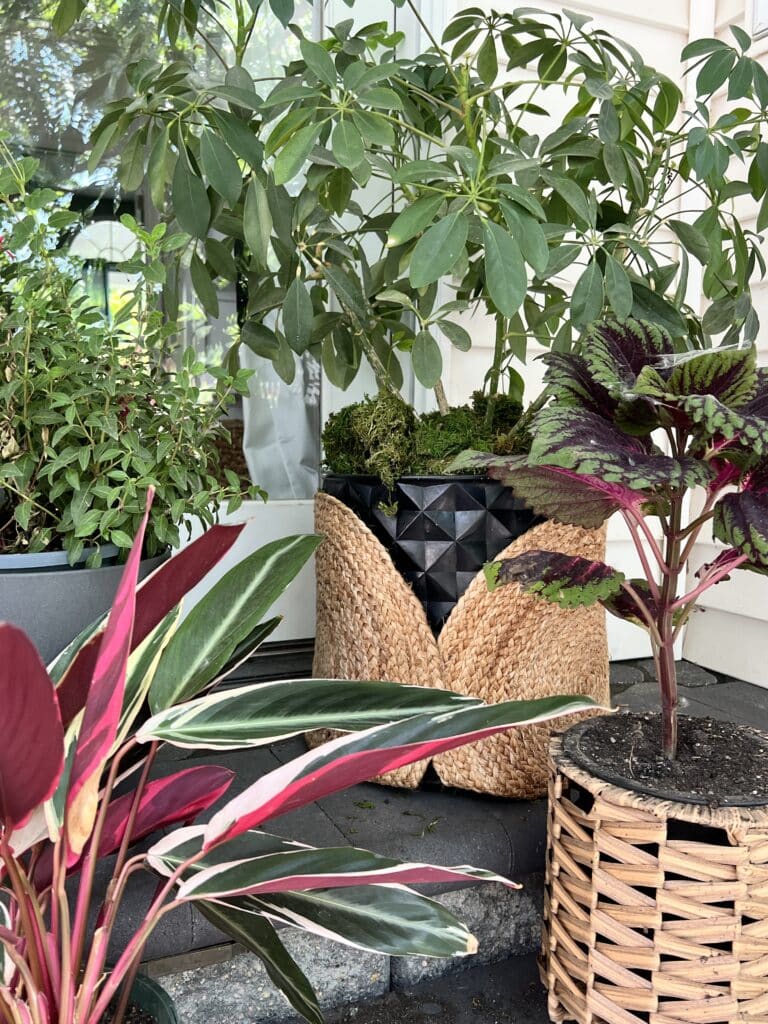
587,298
348,291
427,359
570,192
740,79
67,13
438,250
702,47
505,276
240,138
291,157
457,335
654,308
204,286
380,96
693,240
258,935
285,361
220,167
529,234
487,62
319,61
259,339
608,126
413,219
715,71
190,200
618,289
297,316
220,259
157,165
373,128
347,144
228,613
131,172
257,221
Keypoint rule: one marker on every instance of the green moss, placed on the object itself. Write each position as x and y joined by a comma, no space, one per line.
375,436
383,437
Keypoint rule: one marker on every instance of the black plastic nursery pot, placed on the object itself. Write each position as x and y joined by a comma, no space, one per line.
149,996
53,601
439,530
655,902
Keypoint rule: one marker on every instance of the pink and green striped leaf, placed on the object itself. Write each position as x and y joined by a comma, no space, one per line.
389,919
260,937
31,733
257,862
267,712
156,597
104,701
211,633
345,761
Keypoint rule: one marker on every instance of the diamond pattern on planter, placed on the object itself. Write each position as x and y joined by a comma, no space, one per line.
445,529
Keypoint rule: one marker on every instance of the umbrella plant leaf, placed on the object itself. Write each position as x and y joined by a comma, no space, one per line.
505,275
438,249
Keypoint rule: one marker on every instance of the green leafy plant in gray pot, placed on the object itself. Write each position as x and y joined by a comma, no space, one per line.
90,419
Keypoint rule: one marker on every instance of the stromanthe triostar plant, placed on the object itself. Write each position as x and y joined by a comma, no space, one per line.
71,733
632,426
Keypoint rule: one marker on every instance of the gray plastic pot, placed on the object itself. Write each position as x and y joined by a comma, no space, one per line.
53,601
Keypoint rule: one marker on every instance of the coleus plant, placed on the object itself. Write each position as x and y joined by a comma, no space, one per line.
70,734
632,425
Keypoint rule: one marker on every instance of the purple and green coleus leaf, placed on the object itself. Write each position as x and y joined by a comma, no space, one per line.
592,446
623,605
727,374
741,518
616,351
566,580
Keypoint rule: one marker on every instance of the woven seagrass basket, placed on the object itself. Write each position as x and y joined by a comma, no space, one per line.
656,912
498,646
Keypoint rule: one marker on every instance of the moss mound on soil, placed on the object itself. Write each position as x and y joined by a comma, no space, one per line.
382,436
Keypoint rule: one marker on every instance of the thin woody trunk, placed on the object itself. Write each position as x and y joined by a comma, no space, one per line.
665,653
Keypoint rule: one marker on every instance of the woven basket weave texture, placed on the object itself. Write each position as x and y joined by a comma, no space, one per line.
498,646
656,912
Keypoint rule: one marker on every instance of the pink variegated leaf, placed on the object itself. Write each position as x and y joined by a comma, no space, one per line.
156,596
31,734
353,758
257,862
178,797
101,716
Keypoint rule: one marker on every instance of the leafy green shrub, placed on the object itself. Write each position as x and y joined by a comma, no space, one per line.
89,419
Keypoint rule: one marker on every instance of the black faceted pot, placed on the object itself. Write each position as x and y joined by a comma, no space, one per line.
445,529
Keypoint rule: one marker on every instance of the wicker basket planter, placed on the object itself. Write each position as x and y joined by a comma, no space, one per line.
504,645
656,911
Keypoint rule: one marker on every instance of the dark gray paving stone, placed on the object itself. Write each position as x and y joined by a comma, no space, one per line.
624,674
238,990
736,701
506,993
688,674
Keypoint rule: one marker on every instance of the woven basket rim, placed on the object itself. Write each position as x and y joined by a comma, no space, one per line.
732,819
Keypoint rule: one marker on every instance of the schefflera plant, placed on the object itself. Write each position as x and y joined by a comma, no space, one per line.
71,733
631,425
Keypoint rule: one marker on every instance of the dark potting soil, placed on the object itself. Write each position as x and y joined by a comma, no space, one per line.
133,1015
718,763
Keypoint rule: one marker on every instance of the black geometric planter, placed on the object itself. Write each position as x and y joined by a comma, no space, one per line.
445,530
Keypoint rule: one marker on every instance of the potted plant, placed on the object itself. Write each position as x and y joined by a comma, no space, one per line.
91,416
656,855
68,737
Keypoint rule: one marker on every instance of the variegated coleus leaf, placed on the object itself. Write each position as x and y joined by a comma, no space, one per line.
557,493
592,446
566,580
745,427
741,518
727,374
257,862
623,605
616,351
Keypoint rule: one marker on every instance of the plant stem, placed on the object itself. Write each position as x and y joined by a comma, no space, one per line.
667,670
442,400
